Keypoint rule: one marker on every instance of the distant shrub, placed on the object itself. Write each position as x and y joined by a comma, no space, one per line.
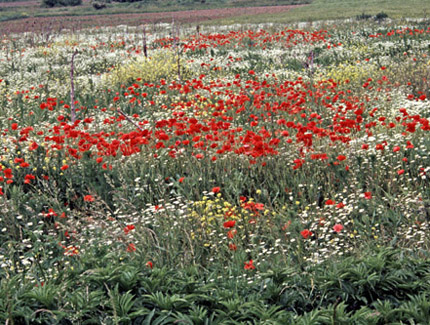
127,0
381,16
363,16
54,3
98,5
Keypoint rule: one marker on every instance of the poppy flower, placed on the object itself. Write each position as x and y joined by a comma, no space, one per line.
329,202
131,248
8,173
64,167
368,195
28,178
88,198
249,265
306,233
229,224
231,233
340,205
33,146
216,189
232,247
149,264
128,228
341,157
337,228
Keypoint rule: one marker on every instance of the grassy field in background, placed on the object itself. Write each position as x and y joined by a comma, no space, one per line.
34,9
339,9
312,11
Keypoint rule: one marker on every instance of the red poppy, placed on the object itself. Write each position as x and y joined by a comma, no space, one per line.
88,198
128,228
400,172
216,189
28,178
329,202
232,247
131,248
306,233
1,191
8,173
368,195
337,228
231,233
229,224
149,264
341,157
249,265
33,146
181,179
64,167
340,205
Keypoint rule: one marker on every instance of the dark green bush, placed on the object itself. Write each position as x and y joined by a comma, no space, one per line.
54,3
127,0
363,16
381,16
98,5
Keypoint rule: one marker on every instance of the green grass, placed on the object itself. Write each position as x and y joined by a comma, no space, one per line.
316,10
135,7
339,9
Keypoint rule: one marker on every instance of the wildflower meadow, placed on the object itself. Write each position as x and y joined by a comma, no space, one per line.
241,174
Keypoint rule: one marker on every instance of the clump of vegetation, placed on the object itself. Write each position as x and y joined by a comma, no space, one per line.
384,286
380,16
55,3
363,16
159,65
99,5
